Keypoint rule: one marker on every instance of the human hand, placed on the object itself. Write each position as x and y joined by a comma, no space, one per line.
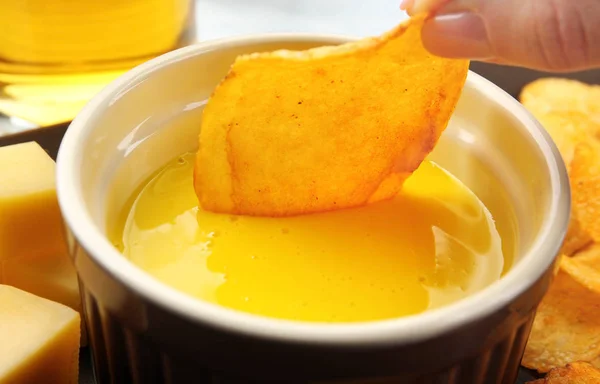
551,35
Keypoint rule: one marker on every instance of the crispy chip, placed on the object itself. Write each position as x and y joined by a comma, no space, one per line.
566,327
570,112
585,267
585,186
567,129
288,132
569,124
577,238
560,95
574,373
557,263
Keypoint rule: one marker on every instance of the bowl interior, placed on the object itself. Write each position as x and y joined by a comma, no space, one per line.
484,145
152,115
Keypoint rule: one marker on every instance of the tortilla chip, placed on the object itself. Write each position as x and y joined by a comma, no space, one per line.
566,327
574,373
585,267
585,187
559,95
289,133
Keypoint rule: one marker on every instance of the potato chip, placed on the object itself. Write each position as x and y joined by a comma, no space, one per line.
577,237
585,186
559,95
289,133
590,256
585,267
574,373
566,327
568,129
566,110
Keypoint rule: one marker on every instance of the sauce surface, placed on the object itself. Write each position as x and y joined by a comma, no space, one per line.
433,244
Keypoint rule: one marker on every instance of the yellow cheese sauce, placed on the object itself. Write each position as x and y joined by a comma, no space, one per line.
433,244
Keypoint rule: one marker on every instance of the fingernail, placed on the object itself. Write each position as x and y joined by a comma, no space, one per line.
458,35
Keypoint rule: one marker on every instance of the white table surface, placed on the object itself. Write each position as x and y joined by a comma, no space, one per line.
221,18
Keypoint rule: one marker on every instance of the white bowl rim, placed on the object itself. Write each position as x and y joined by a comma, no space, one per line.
403,330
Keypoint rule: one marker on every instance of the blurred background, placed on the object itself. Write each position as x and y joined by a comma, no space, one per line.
55,55
218,18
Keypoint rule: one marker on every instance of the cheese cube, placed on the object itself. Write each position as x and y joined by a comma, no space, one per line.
39,339
51,278
33,250
30,220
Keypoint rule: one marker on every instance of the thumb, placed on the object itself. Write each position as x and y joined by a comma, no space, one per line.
551,35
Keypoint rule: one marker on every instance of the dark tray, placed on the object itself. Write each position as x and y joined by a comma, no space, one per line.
511,79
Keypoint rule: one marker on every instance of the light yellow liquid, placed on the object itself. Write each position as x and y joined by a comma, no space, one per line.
56,54
433,244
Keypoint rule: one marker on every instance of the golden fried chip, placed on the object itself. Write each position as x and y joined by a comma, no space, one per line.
577,238
585,267
557,263
559,95
568,129
328,128
574,373
585,186
566,327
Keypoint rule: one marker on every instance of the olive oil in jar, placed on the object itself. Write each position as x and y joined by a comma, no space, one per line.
55,55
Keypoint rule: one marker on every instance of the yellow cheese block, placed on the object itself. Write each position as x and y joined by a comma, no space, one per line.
30,220
33,254
51,278
39,340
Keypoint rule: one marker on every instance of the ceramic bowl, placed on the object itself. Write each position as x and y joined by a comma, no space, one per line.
142,331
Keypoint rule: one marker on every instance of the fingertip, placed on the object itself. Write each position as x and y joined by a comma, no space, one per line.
461,35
